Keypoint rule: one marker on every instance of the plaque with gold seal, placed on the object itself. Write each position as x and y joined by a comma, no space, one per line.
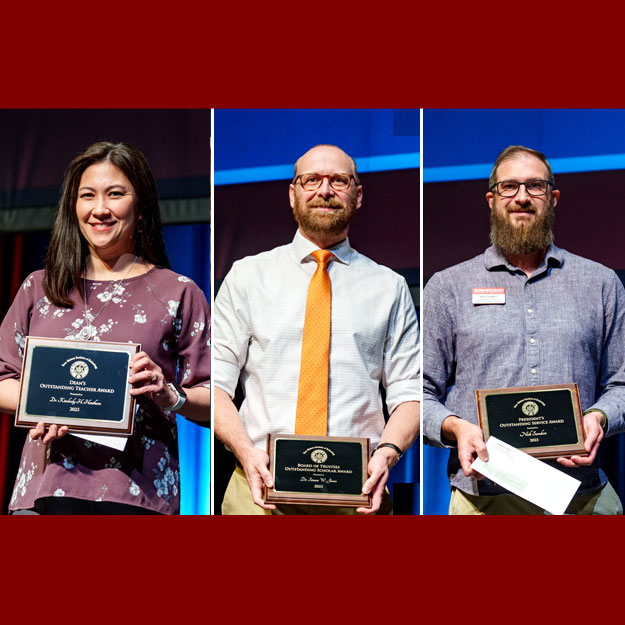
543,421
81,384
318,470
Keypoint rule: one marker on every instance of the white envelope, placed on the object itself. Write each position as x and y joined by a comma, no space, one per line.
527,477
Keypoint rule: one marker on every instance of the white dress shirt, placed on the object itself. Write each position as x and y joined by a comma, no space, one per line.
257,331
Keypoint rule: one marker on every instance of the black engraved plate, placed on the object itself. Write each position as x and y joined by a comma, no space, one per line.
77,383
544,421
324,470
81,384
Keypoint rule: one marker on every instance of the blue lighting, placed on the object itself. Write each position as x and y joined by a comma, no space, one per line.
194,445
387,162
188,247
567,165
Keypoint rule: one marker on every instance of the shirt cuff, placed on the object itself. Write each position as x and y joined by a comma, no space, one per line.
401,392
434,413
612,412
225,376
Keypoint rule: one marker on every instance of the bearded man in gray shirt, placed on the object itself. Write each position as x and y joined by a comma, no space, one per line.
563,320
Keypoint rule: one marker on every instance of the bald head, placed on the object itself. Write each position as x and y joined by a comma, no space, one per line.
326,156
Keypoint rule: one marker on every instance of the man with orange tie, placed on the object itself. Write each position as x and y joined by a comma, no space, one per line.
312,328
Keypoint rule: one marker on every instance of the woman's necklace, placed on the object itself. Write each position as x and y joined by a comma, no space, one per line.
89,330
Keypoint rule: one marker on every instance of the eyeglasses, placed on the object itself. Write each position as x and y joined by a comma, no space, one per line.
310,182
509,188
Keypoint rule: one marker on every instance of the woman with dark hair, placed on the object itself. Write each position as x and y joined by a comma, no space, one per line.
106,277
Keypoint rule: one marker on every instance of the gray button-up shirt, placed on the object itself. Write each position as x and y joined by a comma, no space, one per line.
565,323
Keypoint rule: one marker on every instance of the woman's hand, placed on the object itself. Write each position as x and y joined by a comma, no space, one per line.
147,379
54,432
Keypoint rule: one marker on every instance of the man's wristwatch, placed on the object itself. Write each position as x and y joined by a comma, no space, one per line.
400,453
604,419
182,397
604,422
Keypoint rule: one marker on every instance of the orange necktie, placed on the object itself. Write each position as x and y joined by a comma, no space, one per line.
312,395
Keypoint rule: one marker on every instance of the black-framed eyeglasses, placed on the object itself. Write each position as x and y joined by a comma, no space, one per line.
509,188
311,182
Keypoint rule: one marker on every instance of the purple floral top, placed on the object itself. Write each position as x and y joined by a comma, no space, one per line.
169,316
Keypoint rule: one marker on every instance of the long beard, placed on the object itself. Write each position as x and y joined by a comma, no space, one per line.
330,223
523,239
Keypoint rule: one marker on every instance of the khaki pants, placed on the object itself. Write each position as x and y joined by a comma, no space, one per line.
603,501
238,500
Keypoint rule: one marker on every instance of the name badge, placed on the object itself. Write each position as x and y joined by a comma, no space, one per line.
488,295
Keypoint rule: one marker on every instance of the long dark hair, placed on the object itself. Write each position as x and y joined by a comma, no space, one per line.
68,251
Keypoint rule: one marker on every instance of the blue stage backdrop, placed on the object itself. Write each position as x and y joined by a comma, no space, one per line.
188,248
586,149
255,151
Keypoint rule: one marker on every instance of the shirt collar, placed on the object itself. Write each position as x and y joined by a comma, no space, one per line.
493,258
303,248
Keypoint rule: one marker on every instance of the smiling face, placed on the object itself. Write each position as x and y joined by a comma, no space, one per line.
522,224
106,210
325,211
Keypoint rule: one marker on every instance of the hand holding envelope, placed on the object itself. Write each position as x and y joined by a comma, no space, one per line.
527,477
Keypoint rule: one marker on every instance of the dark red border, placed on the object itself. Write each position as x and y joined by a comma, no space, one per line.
231,55
337,570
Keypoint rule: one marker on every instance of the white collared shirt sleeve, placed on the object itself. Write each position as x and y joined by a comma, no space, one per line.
401,376
231,332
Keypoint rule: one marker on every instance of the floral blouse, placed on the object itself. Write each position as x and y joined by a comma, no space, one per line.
169,316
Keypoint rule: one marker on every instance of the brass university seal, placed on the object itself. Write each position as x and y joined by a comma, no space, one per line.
79,369
318,456
530,408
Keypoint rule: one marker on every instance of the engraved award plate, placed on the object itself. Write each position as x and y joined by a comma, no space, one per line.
318,470
543,421
81,384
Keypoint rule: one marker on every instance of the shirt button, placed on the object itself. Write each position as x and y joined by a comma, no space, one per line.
533,370
530,310
532,340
